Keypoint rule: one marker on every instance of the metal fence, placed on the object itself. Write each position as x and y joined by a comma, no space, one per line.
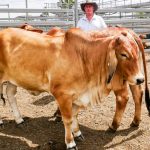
125,13
45,18
136,18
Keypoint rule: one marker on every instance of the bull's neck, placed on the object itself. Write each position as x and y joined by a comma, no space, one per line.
93,61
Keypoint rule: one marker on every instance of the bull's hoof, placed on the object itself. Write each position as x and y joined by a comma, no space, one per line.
21,125
58,119
26,119
54,145
79,138
2,126
72,148
135,125
111,129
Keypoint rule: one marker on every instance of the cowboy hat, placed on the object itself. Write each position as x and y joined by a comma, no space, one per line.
89,2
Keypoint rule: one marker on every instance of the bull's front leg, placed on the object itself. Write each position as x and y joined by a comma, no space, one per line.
121,101
11,92
65,106
137,94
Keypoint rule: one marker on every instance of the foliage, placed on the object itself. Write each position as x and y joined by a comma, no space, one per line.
66,3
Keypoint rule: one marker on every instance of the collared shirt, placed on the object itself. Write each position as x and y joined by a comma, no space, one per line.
96,23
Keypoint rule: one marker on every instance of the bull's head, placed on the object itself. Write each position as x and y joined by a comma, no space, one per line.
125,51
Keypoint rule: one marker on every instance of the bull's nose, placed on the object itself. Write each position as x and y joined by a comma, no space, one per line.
140,80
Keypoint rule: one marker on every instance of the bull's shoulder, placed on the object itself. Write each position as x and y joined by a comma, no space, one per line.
77,34
56,31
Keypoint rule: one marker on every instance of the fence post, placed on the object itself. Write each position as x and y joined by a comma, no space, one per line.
76,12
26,1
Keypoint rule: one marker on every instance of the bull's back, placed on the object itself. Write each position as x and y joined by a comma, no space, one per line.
27,57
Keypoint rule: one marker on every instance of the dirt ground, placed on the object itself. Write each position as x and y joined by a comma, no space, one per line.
40,128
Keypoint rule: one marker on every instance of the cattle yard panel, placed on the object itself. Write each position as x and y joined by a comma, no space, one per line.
44,18
137,19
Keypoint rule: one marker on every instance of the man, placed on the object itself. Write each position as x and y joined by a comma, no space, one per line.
90,21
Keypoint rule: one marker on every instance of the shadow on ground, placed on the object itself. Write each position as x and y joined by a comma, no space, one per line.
40,131
44,100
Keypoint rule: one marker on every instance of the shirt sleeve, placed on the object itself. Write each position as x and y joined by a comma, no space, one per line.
103,23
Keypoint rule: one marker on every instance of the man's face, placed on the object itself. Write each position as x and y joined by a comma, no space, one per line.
89,9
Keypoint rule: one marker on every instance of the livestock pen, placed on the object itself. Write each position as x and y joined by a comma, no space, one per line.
40,131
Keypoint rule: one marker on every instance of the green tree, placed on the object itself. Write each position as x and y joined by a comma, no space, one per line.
141,14
66,3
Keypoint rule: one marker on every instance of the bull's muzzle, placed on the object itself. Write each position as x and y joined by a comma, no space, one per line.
139,81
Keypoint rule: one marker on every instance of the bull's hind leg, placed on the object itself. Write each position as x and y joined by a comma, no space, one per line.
3,99
137,94
65,105
75,125
11,92
121,101
57,115
2,92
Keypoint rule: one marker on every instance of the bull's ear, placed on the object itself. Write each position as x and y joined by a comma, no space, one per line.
112,62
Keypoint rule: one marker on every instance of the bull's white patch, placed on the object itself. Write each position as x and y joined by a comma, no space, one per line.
91,97
84,99
71,144
76,134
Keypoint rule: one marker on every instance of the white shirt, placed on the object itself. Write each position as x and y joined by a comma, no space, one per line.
96,23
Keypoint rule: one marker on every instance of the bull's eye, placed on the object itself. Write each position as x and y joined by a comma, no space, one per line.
124,56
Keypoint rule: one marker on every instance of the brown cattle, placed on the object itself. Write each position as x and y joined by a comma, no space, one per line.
12,101
136,90
78,70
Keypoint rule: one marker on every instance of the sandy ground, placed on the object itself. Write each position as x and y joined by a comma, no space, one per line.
40,128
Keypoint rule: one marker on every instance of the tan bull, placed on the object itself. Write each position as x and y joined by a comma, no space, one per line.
78,70
136,90
55,31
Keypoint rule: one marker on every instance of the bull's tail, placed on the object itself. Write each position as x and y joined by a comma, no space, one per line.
141,47
3,99
147,100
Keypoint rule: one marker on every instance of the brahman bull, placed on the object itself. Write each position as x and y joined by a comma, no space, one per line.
55,31
136,90
79,70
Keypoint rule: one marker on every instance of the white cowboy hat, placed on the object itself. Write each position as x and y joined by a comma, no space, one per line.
89,2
